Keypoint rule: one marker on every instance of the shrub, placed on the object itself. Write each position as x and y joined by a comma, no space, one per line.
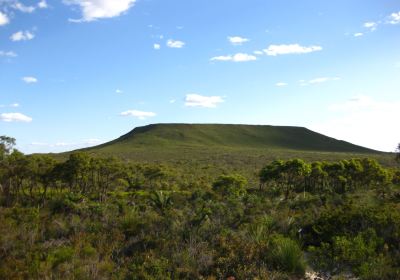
287,255
60,255
230,185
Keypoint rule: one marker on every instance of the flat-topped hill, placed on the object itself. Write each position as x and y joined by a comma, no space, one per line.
228,136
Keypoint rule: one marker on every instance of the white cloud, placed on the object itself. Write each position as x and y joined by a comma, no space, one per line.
237,40
274,50
359,34
239,57
364,121
8,54
64,144
14,117
14,105
222,58
42,4
118,91
258,52
4,19
172,101
22,8
371,25
22,36
175,44
157,46
141,115
97,9
196,100
30,80
39,144
92,141
318,81
394,18
281,84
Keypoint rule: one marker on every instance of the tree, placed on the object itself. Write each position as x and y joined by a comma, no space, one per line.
336,175
271,173
295,172
398,153
383,179
318,178
230,185
6,146
75,171
353,172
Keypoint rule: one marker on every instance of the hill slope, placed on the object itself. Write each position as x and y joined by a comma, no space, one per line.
227,136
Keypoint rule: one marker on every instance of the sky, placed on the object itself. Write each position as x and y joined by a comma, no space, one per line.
77,73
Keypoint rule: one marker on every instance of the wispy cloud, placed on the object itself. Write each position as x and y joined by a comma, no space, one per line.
394,18
156,46
22,8
237,40
22,36
4,19
30,80
281,84
14,117
8,54
99,9
14,105
239,57
359,34
319,80
274,50
42,4
176,44
197,100
69,145
372,26
141,115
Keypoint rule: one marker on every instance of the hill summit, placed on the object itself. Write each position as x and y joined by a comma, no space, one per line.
167,136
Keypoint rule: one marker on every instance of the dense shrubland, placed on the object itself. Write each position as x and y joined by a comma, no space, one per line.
101,218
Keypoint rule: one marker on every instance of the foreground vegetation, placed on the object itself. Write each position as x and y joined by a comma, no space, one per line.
101,218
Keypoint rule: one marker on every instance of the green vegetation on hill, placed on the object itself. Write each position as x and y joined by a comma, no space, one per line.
225,148
229,136
103,218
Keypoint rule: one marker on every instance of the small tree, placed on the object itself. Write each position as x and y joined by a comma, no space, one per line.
318,178
295,171
398,153
6,146
271,173
161,201
383,179
230,185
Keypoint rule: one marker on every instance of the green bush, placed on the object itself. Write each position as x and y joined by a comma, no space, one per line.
60,255
230,185
287,255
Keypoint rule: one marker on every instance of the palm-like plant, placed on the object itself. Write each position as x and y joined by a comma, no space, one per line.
161,201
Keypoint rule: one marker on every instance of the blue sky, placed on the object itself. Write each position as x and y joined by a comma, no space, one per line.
76,73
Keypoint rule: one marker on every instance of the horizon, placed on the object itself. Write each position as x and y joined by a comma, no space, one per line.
76,74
